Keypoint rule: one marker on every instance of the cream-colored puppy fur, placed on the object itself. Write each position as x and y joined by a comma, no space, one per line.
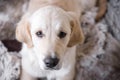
50,18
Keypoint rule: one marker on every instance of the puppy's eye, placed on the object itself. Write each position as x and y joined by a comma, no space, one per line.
62,34
40,34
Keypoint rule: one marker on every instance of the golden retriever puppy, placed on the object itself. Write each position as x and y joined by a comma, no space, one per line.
49,36
50,31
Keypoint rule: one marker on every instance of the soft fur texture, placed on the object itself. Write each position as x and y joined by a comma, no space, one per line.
93,64
50,17
9,64
93,68
98,57
10,14
36,49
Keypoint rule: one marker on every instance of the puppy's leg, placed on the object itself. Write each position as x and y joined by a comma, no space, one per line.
26,76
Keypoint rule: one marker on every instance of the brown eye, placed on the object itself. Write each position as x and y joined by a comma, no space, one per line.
62,34
40,34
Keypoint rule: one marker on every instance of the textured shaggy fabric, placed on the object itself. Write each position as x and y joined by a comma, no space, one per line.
112,18
10,13
97,59
9,64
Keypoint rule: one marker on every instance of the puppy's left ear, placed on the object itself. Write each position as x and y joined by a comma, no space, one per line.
23,32
77,36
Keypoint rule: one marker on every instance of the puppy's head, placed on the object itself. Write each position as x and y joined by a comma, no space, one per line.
49,32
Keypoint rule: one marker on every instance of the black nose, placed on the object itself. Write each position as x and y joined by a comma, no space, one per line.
51,62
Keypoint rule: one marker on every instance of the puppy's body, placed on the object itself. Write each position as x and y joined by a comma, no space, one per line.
67,5
77,6
51,29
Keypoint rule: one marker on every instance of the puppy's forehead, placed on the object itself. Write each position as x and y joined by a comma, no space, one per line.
49,16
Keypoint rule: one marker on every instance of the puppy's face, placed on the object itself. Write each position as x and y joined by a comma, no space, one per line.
49,32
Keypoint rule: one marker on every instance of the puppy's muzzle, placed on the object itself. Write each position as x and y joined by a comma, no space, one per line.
51,62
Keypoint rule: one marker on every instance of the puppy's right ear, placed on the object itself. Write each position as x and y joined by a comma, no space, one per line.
23,32
77,36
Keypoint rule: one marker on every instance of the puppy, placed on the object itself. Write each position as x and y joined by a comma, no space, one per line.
50,31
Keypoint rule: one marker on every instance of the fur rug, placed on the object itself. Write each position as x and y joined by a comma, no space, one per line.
97,59
9,64
10,13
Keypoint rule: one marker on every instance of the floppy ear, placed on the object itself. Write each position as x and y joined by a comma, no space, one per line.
77,36
23,32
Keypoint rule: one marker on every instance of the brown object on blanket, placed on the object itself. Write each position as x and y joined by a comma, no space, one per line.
12,45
